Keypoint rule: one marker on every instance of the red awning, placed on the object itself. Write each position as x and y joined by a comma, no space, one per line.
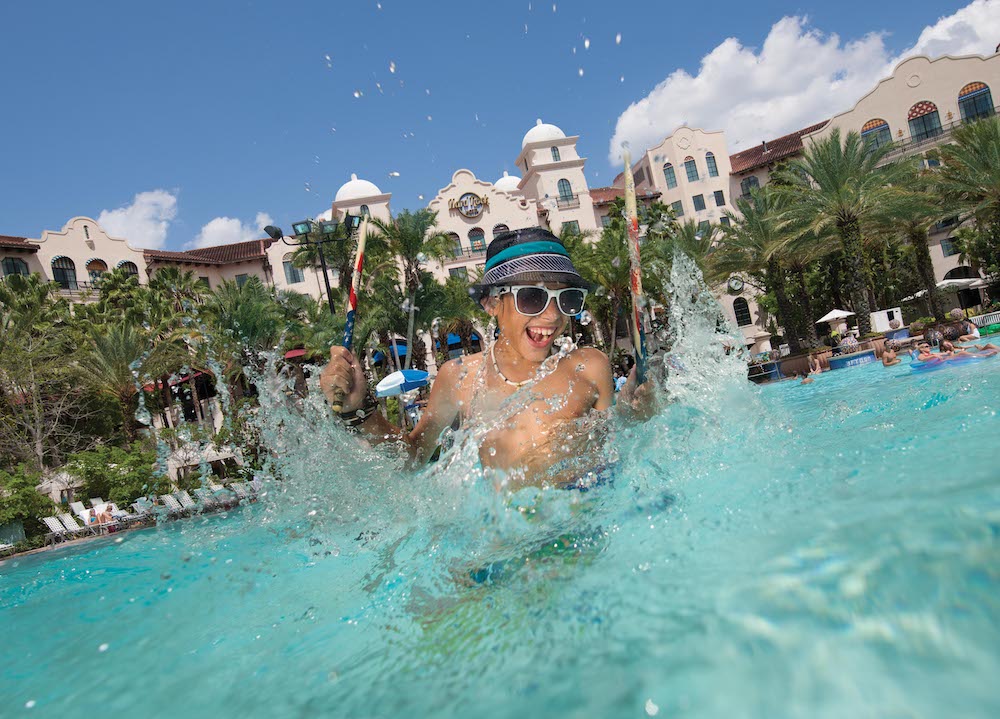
173,382
292,354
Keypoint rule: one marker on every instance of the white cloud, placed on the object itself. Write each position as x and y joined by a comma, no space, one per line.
325,215
224,230
799,76
144,223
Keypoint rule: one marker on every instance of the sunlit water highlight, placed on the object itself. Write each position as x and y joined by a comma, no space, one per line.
796,551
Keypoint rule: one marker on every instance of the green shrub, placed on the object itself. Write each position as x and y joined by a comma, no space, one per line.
19,500
118,475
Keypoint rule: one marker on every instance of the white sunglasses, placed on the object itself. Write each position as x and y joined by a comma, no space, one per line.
531,300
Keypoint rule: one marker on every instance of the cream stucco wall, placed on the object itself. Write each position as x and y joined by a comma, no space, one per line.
683,143
83,240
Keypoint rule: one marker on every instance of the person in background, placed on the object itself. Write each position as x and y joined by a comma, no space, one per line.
970,332
889,357
815,366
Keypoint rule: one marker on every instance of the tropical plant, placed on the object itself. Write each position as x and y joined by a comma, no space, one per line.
119,474
111,363
839,188
20,501
411,238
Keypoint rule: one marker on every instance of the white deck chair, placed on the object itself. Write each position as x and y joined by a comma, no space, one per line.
78,508
75,528
94,501
185,499
174,507
5,548
241,491
57,532
207,499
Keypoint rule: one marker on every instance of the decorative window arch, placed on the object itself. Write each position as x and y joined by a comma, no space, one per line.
555,154
748,184
95,268
691,168
876,133
64,272
962,272
477,239
741,308
15,266
499,230
924,120
713,169
669,175
456,244
293,274
975,101
565,189
128,267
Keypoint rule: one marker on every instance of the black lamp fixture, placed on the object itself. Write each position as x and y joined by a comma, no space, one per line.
327,229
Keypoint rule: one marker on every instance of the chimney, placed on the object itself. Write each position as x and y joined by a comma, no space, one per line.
764,145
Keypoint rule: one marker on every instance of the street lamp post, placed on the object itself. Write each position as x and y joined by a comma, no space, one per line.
327,228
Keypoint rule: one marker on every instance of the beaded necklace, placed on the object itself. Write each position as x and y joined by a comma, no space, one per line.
496,368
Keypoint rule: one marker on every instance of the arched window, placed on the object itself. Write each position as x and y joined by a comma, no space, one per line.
924,120
741,309
365,212
962,272
96,268
691,168
456,244
293,274
499,230
713,169
565,190
975,101
128,267
876,133
477,239
555,154
15,266
669,176
748,184
64,272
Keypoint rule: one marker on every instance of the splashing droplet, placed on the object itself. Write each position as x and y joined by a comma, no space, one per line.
618,39
357,94
651,708
420,197
586,318
421,257
393,174
586,43
580,72
30,704
429,118
553,7
392,66
621,79
103,647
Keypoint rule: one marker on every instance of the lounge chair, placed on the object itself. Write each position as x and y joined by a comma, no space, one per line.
78,509
6,548
94,501
139,513
242,493
75,528
57,532
185,499
207,499
174,508
215,486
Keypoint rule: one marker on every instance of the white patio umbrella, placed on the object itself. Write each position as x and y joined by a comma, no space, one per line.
834,315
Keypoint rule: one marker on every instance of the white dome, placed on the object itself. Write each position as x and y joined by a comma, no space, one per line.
356,189
542,133
507,183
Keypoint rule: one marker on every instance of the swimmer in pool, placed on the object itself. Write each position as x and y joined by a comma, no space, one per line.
889,357
532,289
949,348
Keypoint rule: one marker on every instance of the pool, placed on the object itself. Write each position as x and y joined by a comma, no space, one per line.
822,550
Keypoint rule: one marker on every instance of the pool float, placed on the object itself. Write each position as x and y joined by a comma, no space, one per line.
938,362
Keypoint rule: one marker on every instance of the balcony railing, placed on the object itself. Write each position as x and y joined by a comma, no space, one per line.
902,147
568,201
464,255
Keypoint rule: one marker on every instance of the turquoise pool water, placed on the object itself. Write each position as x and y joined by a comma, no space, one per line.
826,550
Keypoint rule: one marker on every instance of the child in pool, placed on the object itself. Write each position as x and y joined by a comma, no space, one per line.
532,289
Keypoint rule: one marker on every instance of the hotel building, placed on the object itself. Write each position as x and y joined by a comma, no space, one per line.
692,171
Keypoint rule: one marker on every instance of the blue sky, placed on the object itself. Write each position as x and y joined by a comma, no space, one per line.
232,109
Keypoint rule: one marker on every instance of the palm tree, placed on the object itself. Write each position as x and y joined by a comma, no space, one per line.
839,189
969,183
410,236
109,360
752,245
181,289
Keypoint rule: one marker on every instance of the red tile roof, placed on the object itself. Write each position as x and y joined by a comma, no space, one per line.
168,256
235,252
17,243
777,149
218,255
607,195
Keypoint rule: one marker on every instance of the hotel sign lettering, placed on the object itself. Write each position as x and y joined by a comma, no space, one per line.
469,204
